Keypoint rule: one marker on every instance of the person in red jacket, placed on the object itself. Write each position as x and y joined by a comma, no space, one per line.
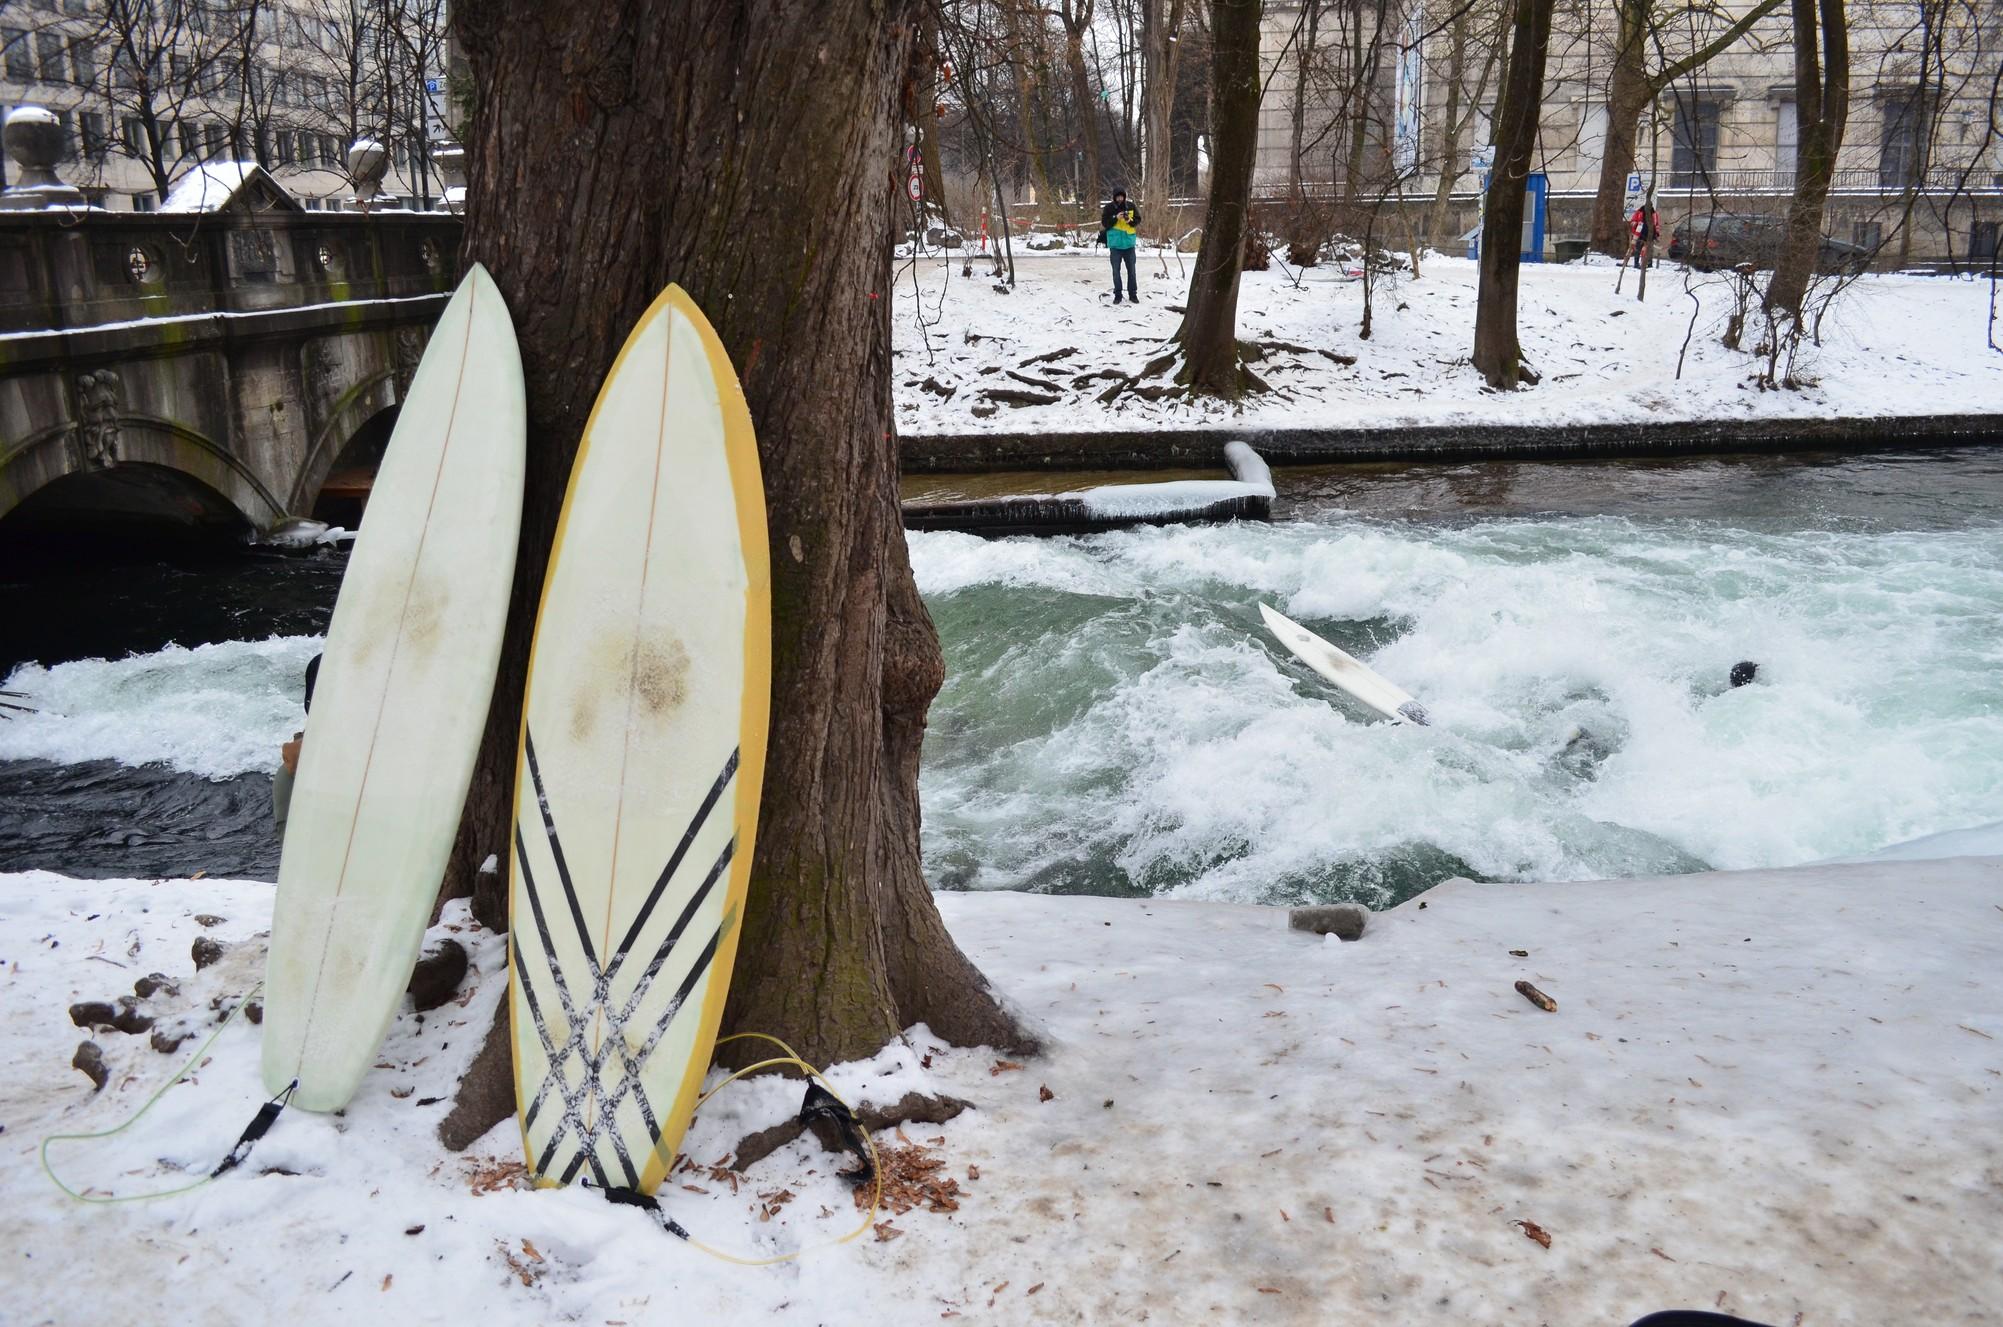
1643,228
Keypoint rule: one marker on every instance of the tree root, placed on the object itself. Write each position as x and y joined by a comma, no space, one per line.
1347,361
913,1108
486,1094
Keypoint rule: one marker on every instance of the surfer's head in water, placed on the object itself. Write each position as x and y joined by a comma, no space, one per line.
1744,671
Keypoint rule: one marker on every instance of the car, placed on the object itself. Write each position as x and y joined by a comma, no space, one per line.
1723,239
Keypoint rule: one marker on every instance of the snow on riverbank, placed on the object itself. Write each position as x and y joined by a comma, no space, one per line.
1892,345
1778,1092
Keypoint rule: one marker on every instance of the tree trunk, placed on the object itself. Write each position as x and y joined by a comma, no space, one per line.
925,89
1160,59
1497,354
1310,33
1209,332
736,125
1457,119
1077,19
1628,96
1822,106
1024,47
1450,128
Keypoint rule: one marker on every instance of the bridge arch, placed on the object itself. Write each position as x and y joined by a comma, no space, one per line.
137,499
108,443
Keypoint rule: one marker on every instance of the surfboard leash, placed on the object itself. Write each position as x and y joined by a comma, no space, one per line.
267,1115
820,1103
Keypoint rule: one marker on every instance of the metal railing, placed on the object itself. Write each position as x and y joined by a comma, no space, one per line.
1847,179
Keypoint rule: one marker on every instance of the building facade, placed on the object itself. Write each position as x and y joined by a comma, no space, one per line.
1920,173
149,91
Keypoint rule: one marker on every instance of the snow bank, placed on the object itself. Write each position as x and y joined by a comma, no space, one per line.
1893,345
1774,1093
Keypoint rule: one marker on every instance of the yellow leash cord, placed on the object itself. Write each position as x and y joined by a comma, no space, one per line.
792,1059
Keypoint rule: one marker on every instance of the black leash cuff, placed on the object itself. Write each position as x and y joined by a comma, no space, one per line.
267,1115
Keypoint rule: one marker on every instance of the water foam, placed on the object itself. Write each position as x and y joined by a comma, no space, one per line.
212,710
1115,719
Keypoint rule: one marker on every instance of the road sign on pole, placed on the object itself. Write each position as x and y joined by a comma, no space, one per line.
1635,191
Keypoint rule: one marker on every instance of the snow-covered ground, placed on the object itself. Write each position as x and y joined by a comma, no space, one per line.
1892,345
1776,1092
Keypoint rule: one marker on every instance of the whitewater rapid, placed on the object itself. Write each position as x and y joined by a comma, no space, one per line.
1115,720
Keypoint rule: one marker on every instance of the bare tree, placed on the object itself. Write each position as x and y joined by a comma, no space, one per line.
168,71
1497,354
1822,105
1076,16
1471,32
1161,29
1632,88
1209,335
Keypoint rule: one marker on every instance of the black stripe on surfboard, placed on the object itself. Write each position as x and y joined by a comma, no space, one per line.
695,825
543,932
634,1064
556,848
701,966
695,903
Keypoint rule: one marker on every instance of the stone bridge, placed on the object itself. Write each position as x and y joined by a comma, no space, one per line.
211,368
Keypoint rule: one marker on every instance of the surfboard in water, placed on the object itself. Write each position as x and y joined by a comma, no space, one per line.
642,755
399,706
1378,692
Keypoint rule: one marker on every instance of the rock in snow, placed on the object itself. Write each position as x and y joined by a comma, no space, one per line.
1345,921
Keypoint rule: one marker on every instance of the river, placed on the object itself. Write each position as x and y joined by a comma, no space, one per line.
1115,721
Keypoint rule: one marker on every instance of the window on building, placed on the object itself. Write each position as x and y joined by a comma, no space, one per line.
1693,155
217,141
1868,234
1899,143
1982,239
83,63
145,202
91,124
69,150
133,131
285,149
20,59
52,62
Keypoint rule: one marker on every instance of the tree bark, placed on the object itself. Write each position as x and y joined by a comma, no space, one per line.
1497,355
1209,332
616,148
1822,107
1628,96
1161,57
1025,25
1076,15
925,87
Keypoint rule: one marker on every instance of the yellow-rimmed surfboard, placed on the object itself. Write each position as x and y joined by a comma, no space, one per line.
642,755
